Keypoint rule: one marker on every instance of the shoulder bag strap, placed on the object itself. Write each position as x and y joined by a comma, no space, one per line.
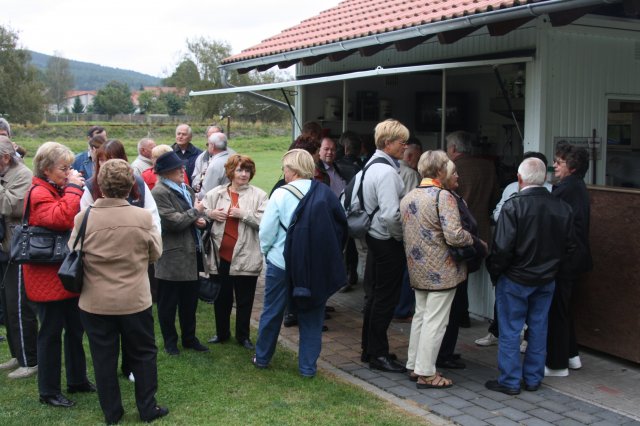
81,232
296,193
360,194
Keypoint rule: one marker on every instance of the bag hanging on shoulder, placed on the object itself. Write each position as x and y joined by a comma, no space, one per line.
36,244
71,272
467,254
358,220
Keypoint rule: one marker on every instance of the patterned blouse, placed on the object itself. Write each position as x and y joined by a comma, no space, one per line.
426,237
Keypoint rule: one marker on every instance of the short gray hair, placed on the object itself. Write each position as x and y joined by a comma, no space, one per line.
213,126
185,125
461,140
432,162
218,140
532,171
48,155
142,142
4,125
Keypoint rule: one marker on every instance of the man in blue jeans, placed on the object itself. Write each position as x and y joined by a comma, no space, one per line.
533,235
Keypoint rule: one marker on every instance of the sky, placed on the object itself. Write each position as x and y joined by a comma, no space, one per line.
147,36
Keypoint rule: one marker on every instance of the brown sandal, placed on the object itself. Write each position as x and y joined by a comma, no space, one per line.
433,382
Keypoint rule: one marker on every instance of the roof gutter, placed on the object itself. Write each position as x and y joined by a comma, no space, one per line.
378,71
478,20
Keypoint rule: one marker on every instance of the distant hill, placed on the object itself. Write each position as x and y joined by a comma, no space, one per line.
89,76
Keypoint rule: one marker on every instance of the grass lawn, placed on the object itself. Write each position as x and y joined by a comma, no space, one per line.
219,387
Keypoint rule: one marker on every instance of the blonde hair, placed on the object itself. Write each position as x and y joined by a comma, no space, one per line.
433,162
300,162
159,150
48,155
390,130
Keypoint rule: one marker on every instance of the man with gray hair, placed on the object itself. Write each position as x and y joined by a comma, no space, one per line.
143,160
534,234
20,314
216,173
185,149
203,160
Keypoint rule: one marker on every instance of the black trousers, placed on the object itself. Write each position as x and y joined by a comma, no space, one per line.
561,335
55,317
105,332
351,260
386,262
244,287
21,318
183,297
458,308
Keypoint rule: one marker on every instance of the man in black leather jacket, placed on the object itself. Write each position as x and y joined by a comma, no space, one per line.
533,235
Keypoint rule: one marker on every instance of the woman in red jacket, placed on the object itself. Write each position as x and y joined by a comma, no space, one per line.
54,201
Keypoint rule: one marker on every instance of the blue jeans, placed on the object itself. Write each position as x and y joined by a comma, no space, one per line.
517,304
310,321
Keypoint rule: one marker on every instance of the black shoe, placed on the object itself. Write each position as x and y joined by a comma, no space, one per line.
196,346
246,343
116,420
290,320
157,413
385,363
451,364
57,400
172,350
497,387
215,339
531,388
83,388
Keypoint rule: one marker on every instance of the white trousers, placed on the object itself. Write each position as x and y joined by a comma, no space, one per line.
427,329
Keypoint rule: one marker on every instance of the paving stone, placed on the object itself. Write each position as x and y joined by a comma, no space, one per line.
585,407
382,382
546,415
446,411
466,420
498,396
583,418
612,417
424,400
350,367
463,393
478,412
604,423
501,421
531,397
456,402
435,393
519,404
553,406
631,423
488,403
402,391
568,422
513,414
472,386
365,374
532,421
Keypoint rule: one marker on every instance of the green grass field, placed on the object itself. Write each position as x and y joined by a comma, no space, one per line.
222,386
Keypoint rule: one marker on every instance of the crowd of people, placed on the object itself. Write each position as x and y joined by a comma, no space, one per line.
189,215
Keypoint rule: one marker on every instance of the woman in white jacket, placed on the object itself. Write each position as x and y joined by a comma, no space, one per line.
235,210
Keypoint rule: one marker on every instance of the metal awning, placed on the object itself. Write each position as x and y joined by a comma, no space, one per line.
378,71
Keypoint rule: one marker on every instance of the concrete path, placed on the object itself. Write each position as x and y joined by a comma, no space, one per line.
606,391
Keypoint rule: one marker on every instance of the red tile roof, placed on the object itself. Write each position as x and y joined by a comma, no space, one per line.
352,19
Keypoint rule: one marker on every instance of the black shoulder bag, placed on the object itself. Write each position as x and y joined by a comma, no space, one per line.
36,244
71,272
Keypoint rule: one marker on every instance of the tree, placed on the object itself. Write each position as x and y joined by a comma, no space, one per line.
78,108
175,104
58,79
149,103
21,93
185,76
114,98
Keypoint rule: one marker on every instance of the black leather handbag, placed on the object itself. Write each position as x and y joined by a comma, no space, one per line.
209,289
71,272
35,244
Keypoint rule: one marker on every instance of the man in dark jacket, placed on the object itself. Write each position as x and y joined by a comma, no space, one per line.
534,234
185,149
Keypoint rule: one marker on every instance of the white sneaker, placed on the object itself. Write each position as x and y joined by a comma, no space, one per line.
563,372
488,340
10,365
575,363
23,372
523,346
131,378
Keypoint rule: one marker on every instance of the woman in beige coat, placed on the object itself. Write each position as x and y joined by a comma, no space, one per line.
235,210
115,301
431,223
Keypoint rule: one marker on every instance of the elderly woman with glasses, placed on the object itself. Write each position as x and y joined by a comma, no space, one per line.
178,268
53,203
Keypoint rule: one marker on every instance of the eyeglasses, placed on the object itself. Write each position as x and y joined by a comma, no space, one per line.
559,161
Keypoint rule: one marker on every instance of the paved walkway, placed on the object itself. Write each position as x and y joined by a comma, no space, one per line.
606,391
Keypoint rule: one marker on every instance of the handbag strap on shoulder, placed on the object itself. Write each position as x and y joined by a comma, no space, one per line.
81,232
